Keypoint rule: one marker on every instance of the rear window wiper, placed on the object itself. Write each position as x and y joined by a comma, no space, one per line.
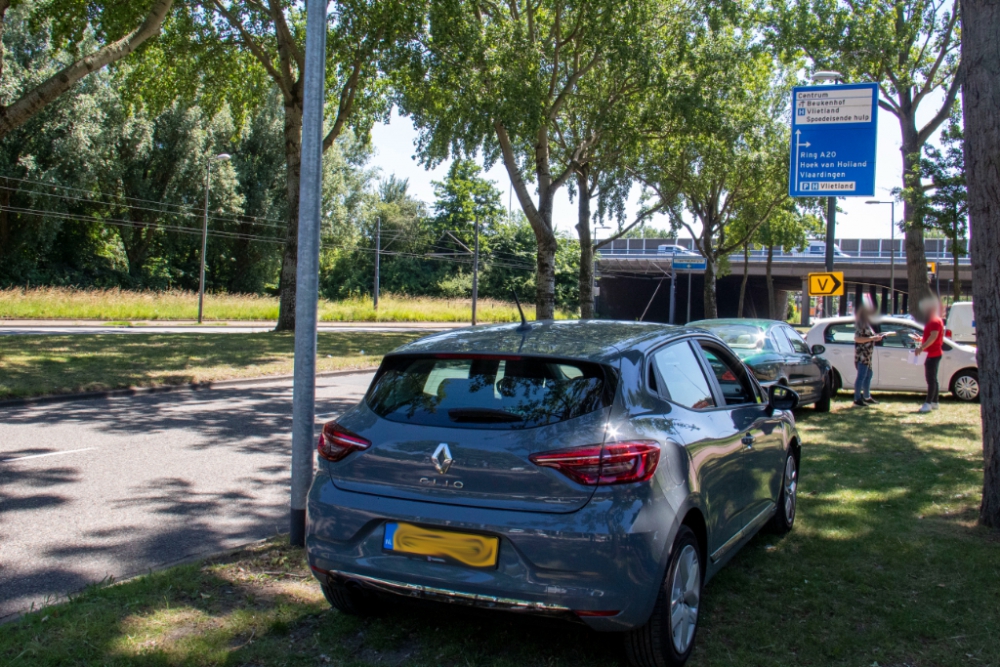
483,415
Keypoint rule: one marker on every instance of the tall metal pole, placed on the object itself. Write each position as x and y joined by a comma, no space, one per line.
689,296
892,258
673,294
378,256
204,242
831,235
475,271
307,277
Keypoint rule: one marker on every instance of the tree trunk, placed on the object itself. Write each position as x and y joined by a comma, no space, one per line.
916,258
956,286
772,307
981,106
743,283
711,306
545,285
545,280
289,259
586,246
5,235
36,99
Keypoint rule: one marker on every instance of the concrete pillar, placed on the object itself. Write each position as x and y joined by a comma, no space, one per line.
885,301
804,321
857,296
873,293
906,304
843,304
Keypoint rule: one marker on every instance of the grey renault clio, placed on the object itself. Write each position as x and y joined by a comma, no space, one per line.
600,471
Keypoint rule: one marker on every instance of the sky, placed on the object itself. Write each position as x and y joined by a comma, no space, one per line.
395,144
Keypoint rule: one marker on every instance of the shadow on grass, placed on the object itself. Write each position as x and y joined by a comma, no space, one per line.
34,365
885,566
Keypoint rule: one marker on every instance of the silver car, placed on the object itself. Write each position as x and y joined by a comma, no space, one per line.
598,471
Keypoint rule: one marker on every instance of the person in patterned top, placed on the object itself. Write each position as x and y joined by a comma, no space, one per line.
864,347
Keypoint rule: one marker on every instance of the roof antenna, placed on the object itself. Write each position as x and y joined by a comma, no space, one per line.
524,326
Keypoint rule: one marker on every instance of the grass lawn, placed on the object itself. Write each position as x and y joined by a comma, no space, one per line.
884,567
59,303
40,365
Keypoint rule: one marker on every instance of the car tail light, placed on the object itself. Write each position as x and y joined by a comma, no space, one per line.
947,333
596,465
336,442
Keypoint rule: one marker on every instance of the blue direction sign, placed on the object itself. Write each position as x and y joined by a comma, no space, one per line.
834,130
689,263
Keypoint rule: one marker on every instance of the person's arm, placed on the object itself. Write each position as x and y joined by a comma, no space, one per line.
868,339
928,341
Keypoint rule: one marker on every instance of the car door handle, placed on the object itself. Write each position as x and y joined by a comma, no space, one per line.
748,440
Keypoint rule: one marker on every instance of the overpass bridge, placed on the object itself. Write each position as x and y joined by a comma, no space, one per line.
634,276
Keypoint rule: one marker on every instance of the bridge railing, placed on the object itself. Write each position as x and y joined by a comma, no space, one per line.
860,256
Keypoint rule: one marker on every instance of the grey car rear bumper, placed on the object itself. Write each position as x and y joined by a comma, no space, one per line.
548,563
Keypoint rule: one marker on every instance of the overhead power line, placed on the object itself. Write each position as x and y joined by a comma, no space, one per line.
186,207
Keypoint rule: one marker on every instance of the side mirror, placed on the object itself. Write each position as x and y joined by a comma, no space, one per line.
780,397
818,349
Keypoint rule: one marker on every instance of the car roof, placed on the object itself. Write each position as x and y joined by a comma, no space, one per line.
827,321
591,340
758,322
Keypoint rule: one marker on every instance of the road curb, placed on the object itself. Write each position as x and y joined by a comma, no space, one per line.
167,388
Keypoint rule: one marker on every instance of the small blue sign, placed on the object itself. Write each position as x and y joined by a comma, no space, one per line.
689,264
834,141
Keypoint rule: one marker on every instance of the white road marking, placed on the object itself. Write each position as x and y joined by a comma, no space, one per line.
38,456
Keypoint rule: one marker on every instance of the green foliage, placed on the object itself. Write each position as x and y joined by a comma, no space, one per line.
464,198
947,206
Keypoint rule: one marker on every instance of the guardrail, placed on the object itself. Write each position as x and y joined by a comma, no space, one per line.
761,256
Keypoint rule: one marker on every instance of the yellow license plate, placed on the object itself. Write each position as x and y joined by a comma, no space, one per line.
444,545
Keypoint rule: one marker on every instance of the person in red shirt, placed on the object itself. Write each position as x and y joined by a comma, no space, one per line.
931,343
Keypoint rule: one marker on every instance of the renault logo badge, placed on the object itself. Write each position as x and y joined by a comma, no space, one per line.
441,458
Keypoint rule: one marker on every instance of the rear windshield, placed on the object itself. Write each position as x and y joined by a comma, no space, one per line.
486,391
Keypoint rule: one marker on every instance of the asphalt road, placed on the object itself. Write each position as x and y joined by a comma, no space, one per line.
115,487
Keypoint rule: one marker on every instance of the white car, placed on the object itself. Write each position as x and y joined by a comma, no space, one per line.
958,374
818,249
675,250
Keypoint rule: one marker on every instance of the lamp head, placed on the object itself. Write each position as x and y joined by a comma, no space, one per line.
827,75
222,157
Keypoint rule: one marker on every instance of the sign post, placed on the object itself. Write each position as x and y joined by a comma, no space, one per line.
689,265
834,142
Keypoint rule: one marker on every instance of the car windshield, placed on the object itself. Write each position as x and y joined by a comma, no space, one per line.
745,340
486,391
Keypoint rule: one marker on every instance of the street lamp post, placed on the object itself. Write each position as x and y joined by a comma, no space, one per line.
221,157
475,268
892,252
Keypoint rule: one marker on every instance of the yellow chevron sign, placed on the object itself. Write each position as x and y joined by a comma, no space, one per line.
932,268
826,284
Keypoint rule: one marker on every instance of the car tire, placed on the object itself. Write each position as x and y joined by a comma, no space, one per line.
788,498
656,644
351,600
823,404
965,385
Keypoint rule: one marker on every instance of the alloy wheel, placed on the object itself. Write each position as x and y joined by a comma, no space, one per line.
791,487
967,388
685,594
